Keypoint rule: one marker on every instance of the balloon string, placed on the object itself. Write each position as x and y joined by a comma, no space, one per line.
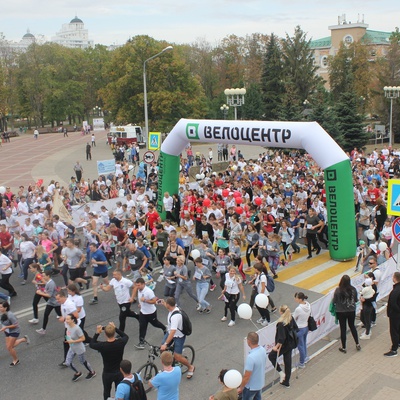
257,327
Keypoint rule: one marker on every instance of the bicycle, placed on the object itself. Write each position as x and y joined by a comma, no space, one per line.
149,370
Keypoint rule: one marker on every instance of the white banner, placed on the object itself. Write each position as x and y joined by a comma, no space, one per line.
106,167
98,124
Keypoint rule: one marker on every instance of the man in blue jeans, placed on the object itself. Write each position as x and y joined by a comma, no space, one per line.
254,370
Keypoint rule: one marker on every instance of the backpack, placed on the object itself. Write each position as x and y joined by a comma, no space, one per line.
270,284
137,391
186,323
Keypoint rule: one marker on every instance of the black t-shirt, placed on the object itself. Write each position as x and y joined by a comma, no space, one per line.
111,352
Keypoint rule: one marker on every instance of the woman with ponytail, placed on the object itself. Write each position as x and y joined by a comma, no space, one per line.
285,342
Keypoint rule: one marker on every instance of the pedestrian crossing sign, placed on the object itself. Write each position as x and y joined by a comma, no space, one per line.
393,204
154,140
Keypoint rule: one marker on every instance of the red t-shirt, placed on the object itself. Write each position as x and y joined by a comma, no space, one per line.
5,239
152,218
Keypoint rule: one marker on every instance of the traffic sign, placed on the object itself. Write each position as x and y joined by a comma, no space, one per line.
393,205
154,140
149,157
396,229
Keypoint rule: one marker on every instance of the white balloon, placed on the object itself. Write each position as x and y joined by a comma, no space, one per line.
2,189
195,254
370,235
233,379
262,300
382,246
198,177
121,193
202,176
108,182
245,311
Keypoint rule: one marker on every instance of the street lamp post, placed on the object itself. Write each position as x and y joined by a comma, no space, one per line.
224,108
146,116
391,92
235,98
97,111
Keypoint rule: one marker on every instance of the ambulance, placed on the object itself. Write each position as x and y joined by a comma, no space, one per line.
126,134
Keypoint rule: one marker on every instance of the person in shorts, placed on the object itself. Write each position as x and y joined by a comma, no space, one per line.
98,261
10,327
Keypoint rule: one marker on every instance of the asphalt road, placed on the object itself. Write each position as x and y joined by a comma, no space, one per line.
38,377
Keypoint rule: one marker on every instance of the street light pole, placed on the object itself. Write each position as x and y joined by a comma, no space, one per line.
146,116
235,98
391,92
224,108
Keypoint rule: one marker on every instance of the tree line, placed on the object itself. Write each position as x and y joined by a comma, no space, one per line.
49,83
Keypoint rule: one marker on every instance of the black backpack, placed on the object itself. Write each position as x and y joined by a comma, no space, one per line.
137,391
186,323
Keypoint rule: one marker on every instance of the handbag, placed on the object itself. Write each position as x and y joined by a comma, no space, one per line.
312,325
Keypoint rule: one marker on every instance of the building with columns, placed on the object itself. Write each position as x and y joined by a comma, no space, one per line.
73,35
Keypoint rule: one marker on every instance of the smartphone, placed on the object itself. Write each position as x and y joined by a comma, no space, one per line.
159,301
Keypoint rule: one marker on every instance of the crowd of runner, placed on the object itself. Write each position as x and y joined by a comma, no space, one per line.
266,206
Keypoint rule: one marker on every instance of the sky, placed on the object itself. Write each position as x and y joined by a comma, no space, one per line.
187,21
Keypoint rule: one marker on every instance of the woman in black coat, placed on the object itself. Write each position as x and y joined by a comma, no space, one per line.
285,342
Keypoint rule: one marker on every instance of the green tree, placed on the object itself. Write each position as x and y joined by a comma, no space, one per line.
298,64
272,86
291,109
350,121
350,71
252,109
323,112
172,91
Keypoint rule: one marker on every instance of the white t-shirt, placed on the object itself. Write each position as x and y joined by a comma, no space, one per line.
261,278
4,260
232,284
78,301
121,289
148,294
23,208
168,203
68,307
175,323
27,249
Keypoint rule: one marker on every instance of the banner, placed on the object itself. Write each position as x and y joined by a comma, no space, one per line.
98,124
292,135
106,167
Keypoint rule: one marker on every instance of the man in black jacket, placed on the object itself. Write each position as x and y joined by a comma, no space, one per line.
112,351
393,312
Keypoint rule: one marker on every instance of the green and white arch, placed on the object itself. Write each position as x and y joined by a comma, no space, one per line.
299,135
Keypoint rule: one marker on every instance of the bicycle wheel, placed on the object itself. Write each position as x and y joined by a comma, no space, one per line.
147,372
188,353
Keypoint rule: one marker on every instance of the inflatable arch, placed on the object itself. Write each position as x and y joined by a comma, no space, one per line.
299,135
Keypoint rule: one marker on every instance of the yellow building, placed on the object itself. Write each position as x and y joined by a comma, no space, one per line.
348,32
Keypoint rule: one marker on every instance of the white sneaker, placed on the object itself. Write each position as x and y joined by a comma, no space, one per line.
360,324
232,323
41,331
282,376
223,319
260,320
198,307
365,336
33,321
265,323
